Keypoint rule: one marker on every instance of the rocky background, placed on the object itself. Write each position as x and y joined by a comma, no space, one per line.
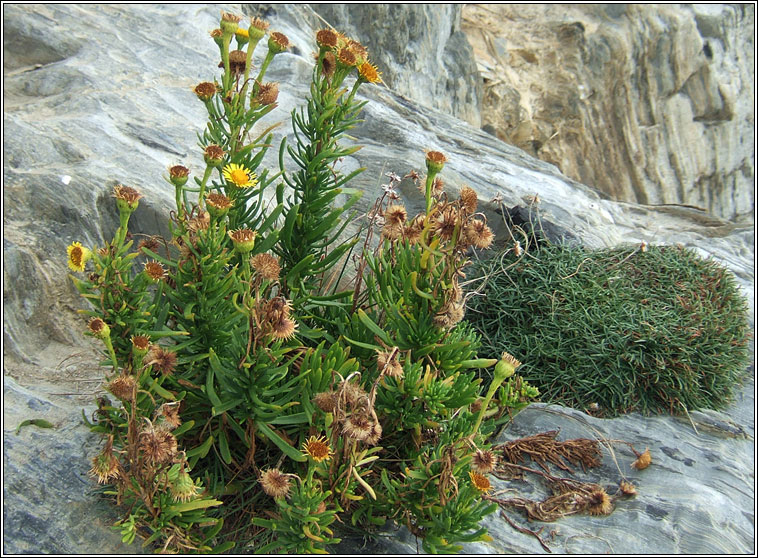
96,95
651,104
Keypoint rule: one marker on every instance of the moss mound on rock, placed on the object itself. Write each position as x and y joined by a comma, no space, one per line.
617,330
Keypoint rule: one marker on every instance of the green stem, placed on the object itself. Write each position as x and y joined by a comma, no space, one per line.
226,39
201,194
429,181
264,67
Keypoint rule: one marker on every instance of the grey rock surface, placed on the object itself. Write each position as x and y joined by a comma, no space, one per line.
85,111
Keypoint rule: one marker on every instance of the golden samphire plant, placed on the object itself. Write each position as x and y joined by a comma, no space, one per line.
250,401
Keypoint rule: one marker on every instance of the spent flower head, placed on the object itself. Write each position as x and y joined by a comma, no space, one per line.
257,29
99,328
243,239
267,266
205,91
213,155
155,271
268,93
435,161
127,199
278,42
218,204
480,482
275,483
326,39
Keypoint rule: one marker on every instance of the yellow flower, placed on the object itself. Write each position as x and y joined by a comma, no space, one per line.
317,448
369,73
240,176
480,482
78,256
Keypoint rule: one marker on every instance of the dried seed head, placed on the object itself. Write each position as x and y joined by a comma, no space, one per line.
600,503
479,234
326,39
317,448
346,57
449,315
352,392
123,386
127,199
395,214
435,161
268,94
627,488
328,64
243,239
278,42
376,433
275,483
237,61
205,91
438,185
360,51
150,243
162,360
213,155
480,482
99,328
257,29
326,401
158,446
358,426
169,415
217,204
484,461
643,460
267,266
155,271
104,466
140,344
199,222
284,328
445,223
388,363
469,199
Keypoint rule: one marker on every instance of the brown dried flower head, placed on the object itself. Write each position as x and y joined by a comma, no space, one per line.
358,426
445,223
158,446
284,328
214,155
435,161
600,503
376,433
162,360
450,314
278,42
326,401
140,344
218,204
328,64
643,460
151,243
346,57
479,234
104,466
388,362
205,90
169,415
99,328
123,386
627,488
353,393
126,197
237,61
268,94
326,39
484,461
267,266
469,199
257,29
275,483
155,271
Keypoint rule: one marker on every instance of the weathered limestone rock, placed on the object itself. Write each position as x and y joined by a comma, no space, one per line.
649,104
85,111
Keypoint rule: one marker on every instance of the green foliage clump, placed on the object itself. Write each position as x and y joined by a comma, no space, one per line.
645,328
256,405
